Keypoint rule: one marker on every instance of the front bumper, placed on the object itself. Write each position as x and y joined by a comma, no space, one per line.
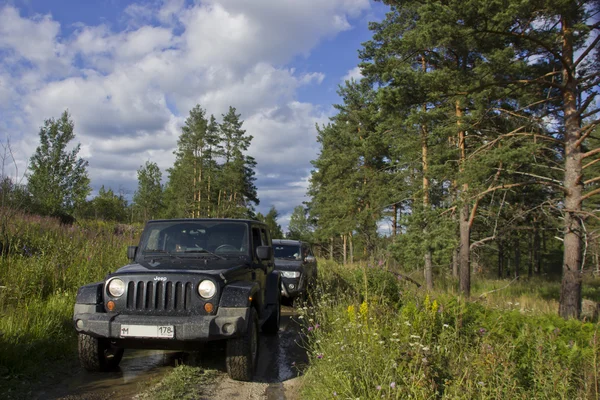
227,323
292,291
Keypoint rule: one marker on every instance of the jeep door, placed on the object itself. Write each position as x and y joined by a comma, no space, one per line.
260,268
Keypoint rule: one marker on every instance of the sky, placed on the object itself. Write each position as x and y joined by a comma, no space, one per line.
129,72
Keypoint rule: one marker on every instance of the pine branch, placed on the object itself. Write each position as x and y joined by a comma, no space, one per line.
590,194
590,153
596,179
590,163
587,51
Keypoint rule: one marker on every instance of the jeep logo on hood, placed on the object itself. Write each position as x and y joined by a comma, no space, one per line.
160,278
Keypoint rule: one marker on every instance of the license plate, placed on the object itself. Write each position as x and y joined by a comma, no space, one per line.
148,331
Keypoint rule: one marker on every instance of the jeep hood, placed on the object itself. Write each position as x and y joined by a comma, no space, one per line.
288,265
206,266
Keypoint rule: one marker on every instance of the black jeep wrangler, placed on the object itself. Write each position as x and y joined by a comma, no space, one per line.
189,281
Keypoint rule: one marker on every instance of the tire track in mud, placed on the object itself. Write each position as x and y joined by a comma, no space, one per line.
281,360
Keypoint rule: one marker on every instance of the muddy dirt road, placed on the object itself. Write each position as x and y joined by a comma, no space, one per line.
280,362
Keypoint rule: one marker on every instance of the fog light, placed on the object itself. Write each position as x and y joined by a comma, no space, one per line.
208,307
79,324
228,328
110,305
292,286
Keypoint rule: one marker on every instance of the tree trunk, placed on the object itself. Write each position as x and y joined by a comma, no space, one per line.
455,262
464,222
500,260
427,268
517,257
570,291
344,241
395,221
537,251
464,255
351,245
531,263
331,248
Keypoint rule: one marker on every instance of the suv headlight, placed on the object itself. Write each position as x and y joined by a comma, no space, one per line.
116,287
290,274
207,289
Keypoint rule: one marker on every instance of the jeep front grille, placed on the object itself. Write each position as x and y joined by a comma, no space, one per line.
159,296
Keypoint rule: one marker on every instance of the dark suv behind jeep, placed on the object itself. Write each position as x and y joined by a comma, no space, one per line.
189,281
297,264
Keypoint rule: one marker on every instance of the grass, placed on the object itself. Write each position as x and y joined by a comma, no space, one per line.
185,382
42,264
371,336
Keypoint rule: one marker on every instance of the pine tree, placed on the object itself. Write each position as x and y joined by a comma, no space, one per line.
148,198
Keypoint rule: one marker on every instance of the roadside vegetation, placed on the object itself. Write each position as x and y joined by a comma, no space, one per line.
41,266
372,335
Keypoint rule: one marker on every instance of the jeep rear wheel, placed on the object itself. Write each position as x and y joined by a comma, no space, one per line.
98,354
242,352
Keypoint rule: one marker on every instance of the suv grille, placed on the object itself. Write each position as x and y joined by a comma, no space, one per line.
159,296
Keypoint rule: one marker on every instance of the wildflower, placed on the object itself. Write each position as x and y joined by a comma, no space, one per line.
393,385
395,334
381,342
407,323
481,383
415,337
425,348
319,355
556,331
482,331
334,394
446,326
351,313
310,328
364,310
301,317
378,387
317,326
293,363
380,263
434,306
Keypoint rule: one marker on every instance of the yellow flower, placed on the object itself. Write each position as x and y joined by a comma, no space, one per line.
434,307
364,310
351,313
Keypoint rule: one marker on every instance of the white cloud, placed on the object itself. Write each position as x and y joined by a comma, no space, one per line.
129,91
354,73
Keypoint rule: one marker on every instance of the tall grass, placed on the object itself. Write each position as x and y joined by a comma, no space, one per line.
371,336
41,266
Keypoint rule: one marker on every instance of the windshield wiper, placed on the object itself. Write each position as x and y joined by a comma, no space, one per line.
205,251
160,253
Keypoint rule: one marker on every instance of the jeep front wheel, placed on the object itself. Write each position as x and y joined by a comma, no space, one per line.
242,352
98,354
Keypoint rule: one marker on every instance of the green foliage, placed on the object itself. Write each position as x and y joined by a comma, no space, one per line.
299,227
42,265
58,182
438,346
106,206
271,220
148,198
212,175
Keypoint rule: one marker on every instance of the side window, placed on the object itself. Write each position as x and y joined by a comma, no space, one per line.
256,240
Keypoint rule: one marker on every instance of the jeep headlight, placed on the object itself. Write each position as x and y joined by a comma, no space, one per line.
290,274
116,287
207,289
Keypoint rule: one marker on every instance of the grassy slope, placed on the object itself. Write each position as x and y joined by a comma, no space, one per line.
41,267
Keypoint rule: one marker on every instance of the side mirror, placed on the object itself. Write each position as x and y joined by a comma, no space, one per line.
264,252
310,259
131,251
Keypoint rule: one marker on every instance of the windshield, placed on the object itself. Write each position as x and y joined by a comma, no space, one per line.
290,252
194,238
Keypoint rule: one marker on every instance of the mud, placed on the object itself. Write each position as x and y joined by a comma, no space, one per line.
281,360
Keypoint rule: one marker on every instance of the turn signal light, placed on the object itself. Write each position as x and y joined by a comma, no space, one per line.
208,307
110,305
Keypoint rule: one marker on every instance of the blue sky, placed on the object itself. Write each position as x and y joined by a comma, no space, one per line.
130,71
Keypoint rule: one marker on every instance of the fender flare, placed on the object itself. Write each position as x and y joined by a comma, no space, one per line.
273,287
238,294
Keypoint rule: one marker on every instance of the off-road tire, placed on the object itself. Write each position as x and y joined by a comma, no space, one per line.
271,325
239,358
98,354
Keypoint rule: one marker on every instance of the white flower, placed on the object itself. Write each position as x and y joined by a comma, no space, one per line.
425,348
415,337
446,325
381,342
407,323
395,334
